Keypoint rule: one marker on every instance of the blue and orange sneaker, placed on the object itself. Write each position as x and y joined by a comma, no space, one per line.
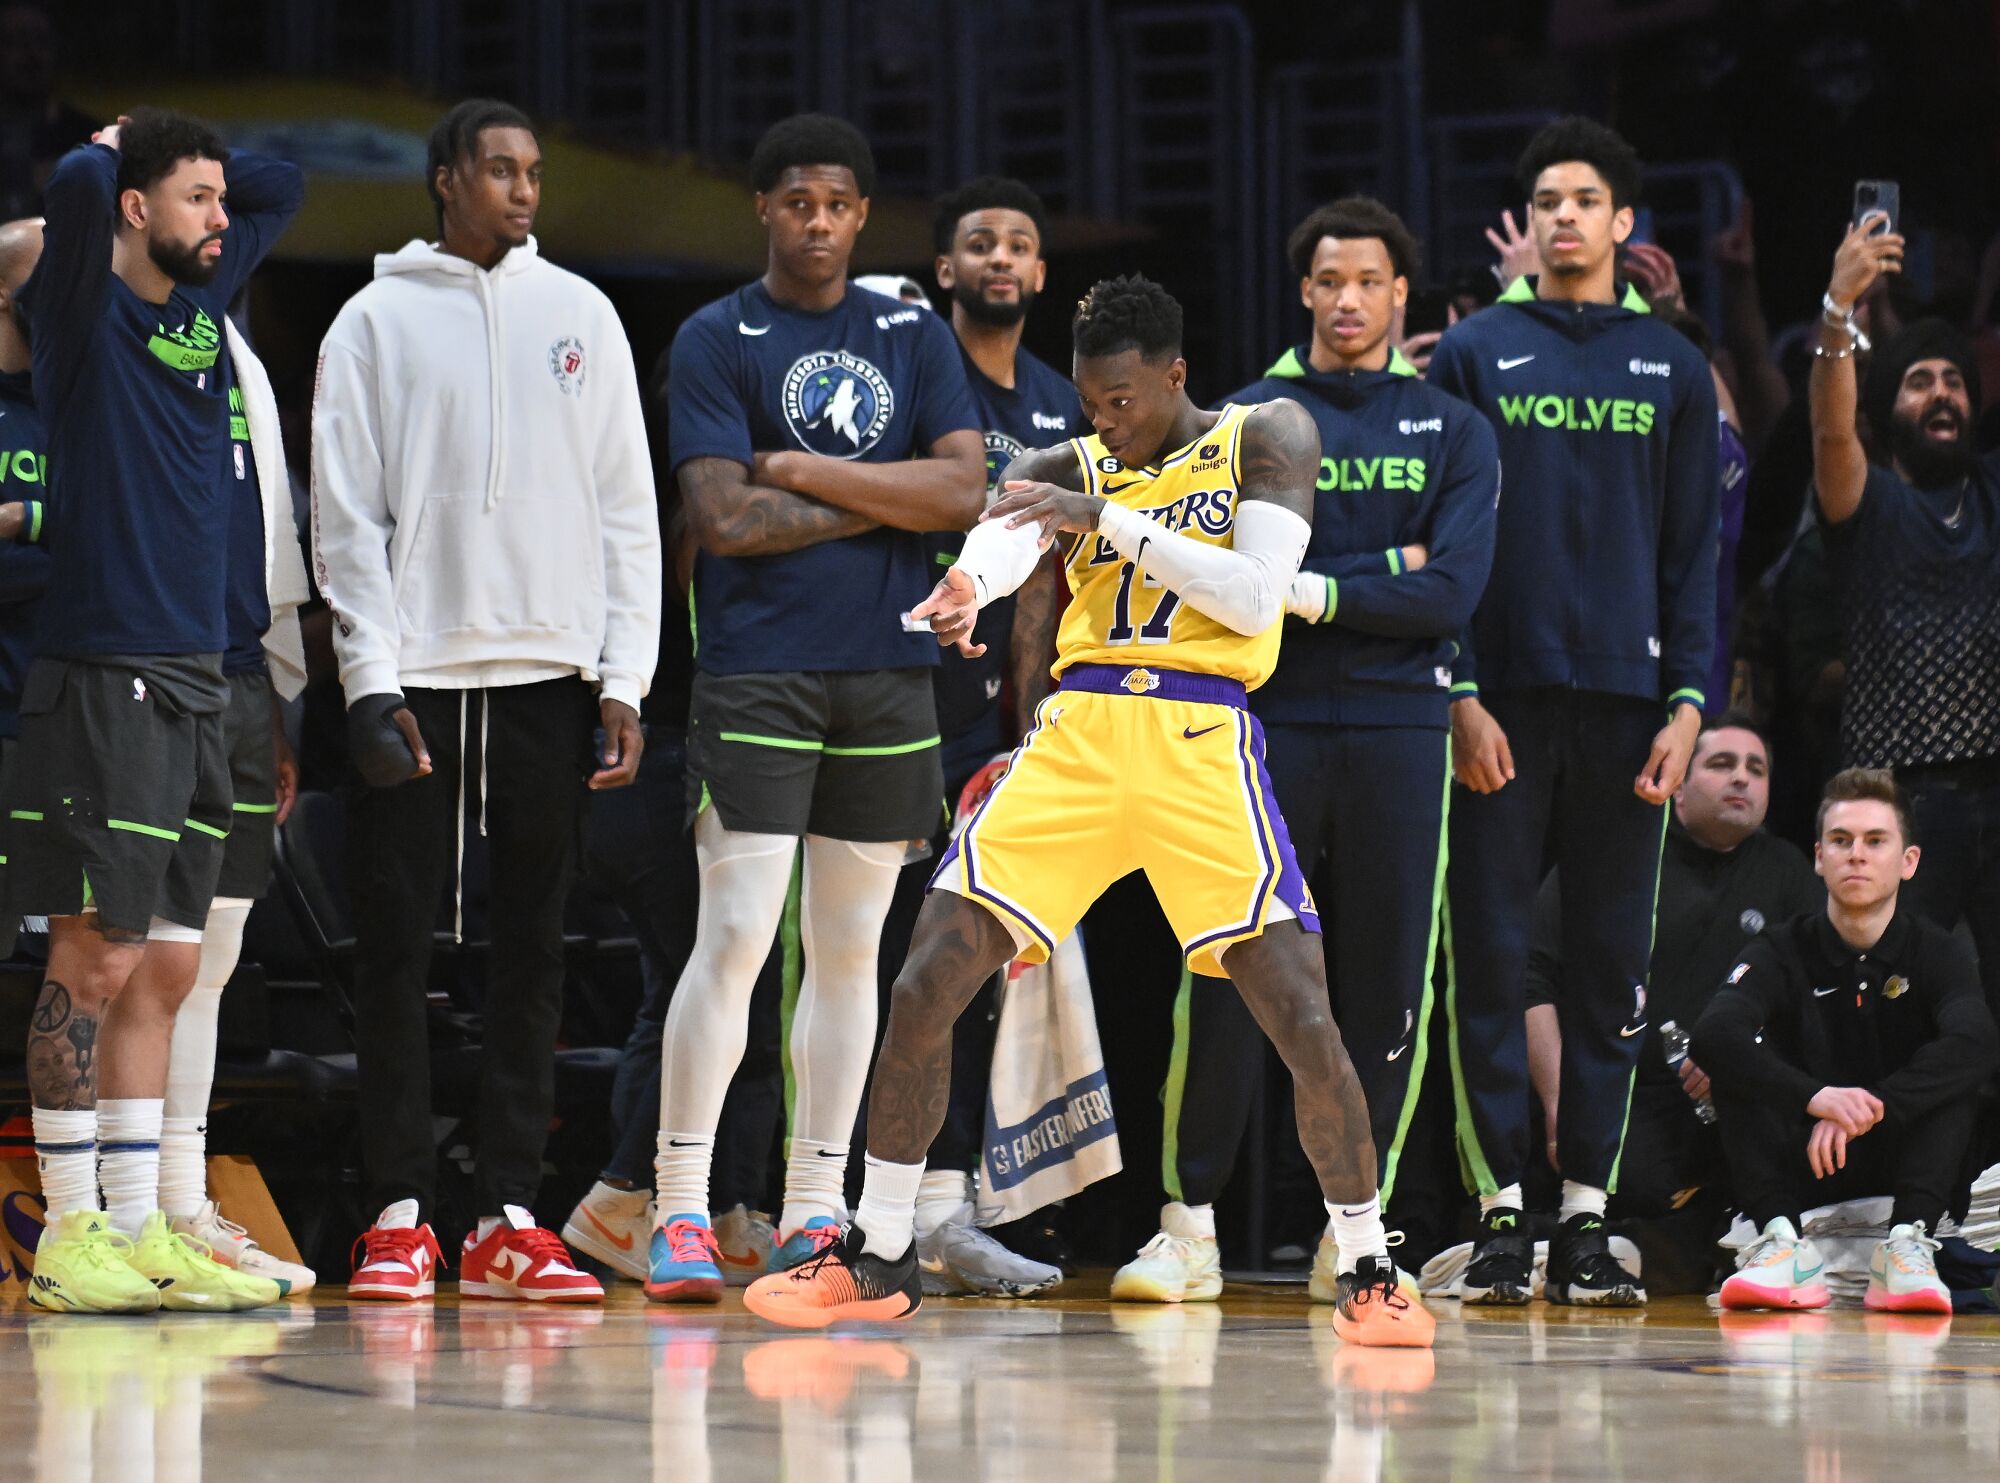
843,1283
680,1266
807,1242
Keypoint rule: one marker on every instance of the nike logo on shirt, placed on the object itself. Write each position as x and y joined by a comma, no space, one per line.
744,329
1626,1032
1822,993
1505,365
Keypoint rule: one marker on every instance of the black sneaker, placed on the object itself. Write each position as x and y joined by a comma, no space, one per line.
842,1283
1502,1270
1584,1273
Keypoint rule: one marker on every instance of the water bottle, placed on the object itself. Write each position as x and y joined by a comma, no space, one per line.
1674,1041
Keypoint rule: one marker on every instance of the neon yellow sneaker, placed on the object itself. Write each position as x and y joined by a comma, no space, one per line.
190,1280
82,1266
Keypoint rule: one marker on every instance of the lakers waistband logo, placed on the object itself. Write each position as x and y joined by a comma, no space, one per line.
1140,681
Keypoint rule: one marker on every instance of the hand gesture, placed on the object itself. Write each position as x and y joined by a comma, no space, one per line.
624,743
952,608
1863,256
1480,756
1050,506
1651,268
1854,1109
1518,255
1417,350
1667,764
108,136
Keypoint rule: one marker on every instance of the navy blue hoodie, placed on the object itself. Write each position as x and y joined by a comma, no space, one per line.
24,565
1604,567
1401,464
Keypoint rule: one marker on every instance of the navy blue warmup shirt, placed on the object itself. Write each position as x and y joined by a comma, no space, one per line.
133,396
1401,464
873,379
24,565
1039,410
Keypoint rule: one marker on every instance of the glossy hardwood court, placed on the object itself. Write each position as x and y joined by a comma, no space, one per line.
1072,1391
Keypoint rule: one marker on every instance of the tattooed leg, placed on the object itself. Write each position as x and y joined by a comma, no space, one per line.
957,947
1282,978
86,969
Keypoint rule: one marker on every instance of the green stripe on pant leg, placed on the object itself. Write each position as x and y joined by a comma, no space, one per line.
791,973
1652,936
1478,1174
1174,1093
1420,1047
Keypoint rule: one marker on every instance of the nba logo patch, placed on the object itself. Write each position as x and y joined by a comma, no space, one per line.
238,451
566,365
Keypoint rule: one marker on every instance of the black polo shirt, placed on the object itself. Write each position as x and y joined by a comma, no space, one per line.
1802,1010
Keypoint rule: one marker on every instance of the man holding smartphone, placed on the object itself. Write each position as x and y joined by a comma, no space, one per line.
1914,540
485,533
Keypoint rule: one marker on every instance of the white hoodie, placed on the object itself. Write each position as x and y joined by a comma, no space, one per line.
483,508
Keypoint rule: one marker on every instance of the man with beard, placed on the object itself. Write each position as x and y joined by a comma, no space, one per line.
118,801
1915,547
989,235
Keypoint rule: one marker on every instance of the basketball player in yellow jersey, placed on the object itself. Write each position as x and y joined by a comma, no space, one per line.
1180,531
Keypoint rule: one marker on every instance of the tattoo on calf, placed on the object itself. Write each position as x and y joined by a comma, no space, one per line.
62,1052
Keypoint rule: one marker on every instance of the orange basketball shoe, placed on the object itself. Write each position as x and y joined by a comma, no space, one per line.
1372,1307
842,1283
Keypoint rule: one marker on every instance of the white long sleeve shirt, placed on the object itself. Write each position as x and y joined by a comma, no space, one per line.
483,507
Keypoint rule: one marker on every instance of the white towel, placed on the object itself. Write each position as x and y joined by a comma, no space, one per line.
284,565
1049,1125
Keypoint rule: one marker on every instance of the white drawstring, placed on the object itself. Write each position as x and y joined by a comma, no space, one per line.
485,714
458,859
489,298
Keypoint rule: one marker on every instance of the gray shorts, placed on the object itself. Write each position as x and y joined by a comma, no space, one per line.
253,784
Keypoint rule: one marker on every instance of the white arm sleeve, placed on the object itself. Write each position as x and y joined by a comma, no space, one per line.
1243,589
999,560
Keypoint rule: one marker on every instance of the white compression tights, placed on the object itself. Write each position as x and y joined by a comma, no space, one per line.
191,1062
744,878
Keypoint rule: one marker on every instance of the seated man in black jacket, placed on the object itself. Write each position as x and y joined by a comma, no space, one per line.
1722,879
1846,1051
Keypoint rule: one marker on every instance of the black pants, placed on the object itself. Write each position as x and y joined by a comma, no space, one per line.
402,843
1575,756
638,851
1922,1163
1955,811
1368,803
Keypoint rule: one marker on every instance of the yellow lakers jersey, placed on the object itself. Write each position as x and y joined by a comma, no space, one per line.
1119,615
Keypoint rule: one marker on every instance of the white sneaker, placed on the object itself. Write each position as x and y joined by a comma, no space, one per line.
613,1226
1780,1269
1177,1266
231,1245
956,1257
744,1241
1903,1275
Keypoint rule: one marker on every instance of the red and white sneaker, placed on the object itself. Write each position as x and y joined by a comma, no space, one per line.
395,1258
518,1259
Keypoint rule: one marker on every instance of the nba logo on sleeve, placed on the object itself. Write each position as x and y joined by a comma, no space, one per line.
837,404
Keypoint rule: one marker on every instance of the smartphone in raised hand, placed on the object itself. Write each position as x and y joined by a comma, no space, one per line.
1879,195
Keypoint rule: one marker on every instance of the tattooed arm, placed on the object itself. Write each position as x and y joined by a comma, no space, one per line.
730,516
943,491
1280,456
1038,610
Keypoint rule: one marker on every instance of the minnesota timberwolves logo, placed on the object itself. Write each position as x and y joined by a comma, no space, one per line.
1001,450
837,404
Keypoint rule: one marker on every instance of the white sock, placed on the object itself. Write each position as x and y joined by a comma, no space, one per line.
1506,1199
815,1184
943,1193
183,1166
844,897
1196,1222
66,1153
680,1173
128,1159
1582,1199
887,1215
1357,1231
